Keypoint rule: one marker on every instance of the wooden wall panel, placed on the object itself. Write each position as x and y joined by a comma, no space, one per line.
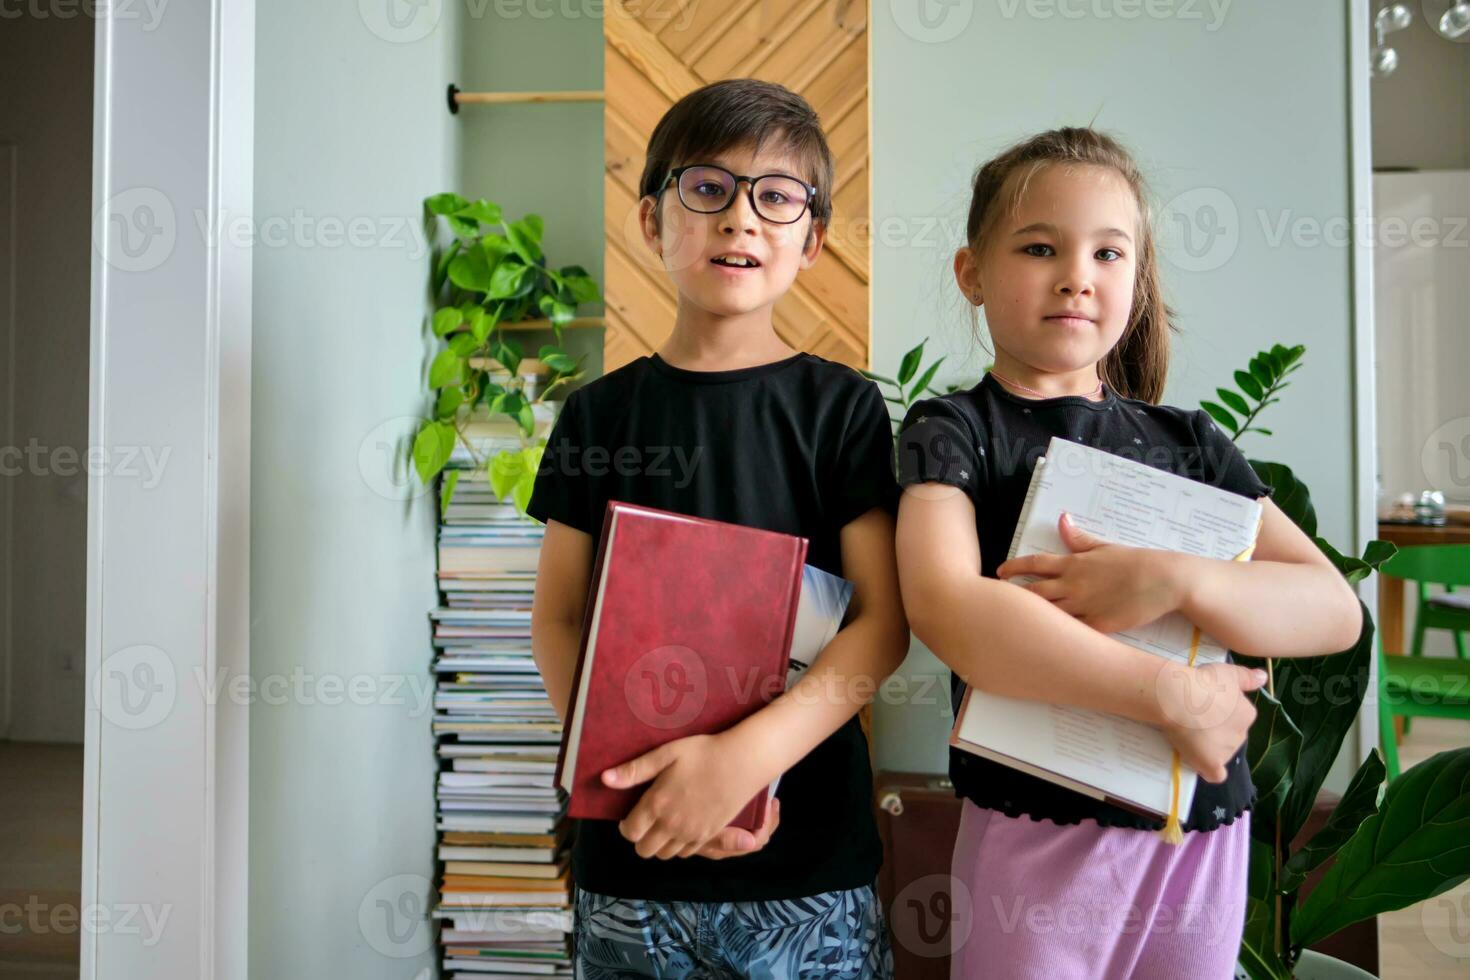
656,52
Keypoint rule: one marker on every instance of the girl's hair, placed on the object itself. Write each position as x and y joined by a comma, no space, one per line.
1139,362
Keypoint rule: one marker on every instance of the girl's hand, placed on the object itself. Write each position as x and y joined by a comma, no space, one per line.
1110,587
699,784
1207,715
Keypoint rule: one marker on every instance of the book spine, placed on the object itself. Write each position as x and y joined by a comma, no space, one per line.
1031,491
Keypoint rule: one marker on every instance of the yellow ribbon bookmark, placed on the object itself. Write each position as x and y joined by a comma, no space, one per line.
1172,833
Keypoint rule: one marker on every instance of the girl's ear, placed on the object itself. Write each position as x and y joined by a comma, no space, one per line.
966,274
648,224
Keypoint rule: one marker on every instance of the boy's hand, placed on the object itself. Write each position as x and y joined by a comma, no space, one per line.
1207,714
1110,587
699,785
733,842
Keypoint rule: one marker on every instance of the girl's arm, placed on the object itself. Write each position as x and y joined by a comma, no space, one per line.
1287,601
1007,640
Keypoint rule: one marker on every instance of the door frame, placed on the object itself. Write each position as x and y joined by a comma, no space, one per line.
168,564
1364,386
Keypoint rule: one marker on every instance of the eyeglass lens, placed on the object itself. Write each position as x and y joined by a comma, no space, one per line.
708,189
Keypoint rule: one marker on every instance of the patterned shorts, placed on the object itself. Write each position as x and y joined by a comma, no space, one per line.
839,935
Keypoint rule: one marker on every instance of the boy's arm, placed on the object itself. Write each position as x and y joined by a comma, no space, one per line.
563,573
701,782
1289,600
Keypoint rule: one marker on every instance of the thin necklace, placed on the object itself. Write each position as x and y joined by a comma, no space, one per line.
1042,394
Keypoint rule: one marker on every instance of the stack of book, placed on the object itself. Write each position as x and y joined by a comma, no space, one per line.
504,892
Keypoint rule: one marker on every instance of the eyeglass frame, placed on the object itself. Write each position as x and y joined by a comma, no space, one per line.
676,172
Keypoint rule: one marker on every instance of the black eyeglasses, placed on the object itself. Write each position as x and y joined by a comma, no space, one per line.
708,189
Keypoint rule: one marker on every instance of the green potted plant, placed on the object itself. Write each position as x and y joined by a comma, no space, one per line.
493,273
1383,848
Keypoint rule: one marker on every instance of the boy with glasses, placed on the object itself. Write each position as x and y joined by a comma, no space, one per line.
727,422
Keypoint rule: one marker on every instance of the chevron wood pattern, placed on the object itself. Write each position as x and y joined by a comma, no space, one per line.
659,50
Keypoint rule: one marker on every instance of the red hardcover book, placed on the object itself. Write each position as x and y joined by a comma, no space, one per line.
687,631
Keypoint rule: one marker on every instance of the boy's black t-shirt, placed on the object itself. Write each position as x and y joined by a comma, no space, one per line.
986,441
802,446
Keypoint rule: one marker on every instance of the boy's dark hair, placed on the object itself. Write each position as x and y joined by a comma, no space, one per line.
1138,363
740,112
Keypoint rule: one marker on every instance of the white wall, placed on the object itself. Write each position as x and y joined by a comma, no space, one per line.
351,127
46,130
1237,107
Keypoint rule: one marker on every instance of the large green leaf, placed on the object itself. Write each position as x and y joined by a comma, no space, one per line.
1357,569
1415,847
486,212
1272,749
1258,943
471,270
446,369
1288,493
1222,415
1357,805
506,469
1322,696
924,379
910,363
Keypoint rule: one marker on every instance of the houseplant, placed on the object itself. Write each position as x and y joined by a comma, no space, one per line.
1387,848
492,273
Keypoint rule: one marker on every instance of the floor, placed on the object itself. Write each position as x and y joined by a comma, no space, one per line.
41,844
1431,939
40,860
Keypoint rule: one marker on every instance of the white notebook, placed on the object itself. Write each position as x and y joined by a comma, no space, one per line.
1123,501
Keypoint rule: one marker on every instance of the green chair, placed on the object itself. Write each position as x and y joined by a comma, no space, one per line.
1423,686
1438,564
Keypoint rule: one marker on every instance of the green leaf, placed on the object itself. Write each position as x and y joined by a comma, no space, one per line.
910,363
583,289
481,323
1219,414
471,270
524,240
506,468
1271,749
1264,432
1258,943
527,417
1415,847
445,370
446,490
431,449
1234,400
924,379
1249,385
441,268
556,360
1261,371
511,280
1358,803
1288,493
446,203
446,320
463,345
449,401
482,211
508,353
877,377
